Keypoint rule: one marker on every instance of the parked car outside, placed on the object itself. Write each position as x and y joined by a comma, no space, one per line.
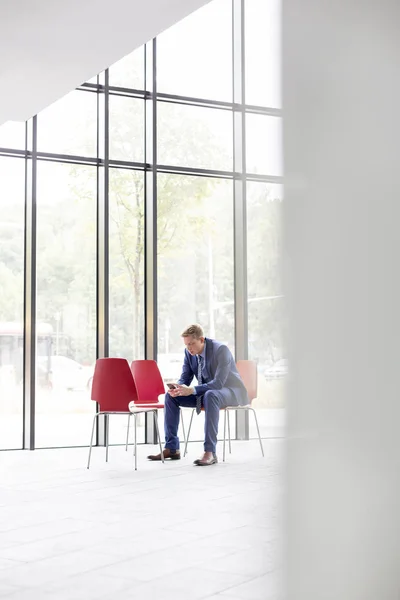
278,370
66,373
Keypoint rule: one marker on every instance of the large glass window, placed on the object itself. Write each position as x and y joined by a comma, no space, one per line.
195,231
195,55
263,52
266,314
69,126
66,303
12,198
191,136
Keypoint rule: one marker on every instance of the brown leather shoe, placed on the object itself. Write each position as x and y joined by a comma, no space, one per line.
171,454
205,462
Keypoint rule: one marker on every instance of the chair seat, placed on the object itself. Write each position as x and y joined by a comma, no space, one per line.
233,407
113,412
147,406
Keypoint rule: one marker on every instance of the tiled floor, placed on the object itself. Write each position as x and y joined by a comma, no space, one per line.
173,531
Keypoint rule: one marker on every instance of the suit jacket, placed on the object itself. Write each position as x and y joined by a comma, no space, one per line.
221,368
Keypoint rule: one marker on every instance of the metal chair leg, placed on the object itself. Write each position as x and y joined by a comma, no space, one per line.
229,430
158,434
188,433
127,433
223,453
107,418
258,430
91,440
135,422
183,427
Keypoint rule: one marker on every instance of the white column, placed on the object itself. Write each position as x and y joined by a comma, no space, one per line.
341,73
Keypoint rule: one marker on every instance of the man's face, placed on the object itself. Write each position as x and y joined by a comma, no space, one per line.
194,345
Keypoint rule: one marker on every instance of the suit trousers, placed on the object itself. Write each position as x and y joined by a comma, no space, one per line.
213,401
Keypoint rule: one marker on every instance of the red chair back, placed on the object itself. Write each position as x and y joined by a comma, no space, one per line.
248,372
148,381
113,385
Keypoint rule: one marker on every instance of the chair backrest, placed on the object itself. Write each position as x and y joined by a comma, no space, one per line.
148,381
113,385
248,372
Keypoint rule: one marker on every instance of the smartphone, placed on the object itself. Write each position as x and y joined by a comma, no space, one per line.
172,386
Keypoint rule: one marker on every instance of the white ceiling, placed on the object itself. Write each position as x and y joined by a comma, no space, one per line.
49,47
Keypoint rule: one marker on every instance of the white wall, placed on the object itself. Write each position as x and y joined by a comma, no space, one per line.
341,91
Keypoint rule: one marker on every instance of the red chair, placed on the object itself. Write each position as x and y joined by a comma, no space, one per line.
114,390
149,383
149,386
248,372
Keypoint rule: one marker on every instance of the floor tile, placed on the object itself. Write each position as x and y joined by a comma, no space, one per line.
172,531
267,587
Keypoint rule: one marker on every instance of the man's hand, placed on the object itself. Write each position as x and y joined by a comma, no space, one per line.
173,392
184,390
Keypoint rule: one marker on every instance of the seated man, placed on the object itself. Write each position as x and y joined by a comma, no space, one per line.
219,385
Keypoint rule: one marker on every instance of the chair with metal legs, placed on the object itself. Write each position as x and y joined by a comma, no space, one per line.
149,386
248,372
114,390
128,429
229,409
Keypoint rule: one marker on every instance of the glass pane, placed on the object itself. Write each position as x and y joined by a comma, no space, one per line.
129,71
12,135
264,154
12,199
195,266
195,55
126,129
265,307
69,126
126,264
191,136
263,52
66,303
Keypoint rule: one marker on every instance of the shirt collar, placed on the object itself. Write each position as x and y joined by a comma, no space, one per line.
203,354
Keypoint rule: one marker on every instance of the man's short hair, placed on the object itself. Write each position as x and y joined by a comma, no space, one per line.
195,331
